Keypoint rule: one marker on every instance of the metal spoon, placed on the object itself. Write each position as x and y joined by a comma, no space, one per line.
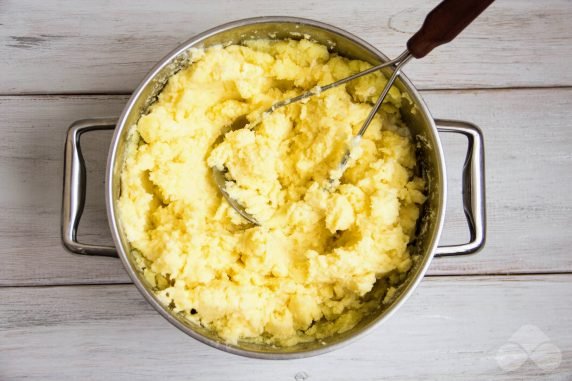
441,26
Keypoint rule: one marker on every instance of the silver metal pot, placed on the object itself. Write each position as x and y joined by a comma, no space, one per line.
423,127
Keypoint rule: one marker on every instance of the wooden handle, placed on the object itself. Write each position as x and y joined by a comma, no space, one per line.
444,23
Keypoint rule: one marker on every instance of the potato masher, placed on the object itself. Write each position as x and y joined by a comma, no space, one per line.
441,26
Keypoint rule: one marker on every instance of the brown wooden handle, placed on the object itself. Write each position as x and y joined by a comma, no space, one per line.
444,23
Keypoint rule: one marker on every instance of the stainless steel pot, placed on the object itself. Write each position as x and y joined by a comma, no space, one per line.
423,127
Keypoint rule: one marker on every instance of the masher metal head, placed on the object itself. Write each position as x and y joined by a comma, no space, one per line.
441,26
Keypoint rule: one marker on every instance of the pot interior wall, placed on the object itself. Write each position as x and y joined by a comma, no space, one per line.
415,114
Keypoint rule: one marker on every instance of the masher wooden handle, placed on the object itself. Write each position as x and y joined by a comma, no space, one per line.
444,23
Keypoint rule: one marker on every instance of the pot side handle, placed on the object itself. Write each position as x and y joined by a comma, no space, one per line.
473,187
75,182
74,188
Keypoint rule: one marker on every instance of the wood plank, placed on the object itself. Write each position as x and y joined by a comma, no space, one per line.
452,328
31,150
528,144
76,47
528,172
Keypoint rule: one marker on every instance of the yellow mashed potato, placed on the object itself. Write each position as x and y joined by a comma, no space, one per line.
306,272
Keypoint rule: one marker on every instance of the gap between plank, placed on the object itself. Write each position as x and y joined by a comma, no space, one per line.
440,89
498,276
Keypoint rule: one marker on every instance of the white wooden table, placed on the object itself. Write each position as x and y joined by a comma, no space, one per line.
505,313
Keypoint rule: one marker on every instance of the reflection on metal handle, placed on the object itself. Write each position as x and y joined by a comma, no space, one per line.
473,187
74,188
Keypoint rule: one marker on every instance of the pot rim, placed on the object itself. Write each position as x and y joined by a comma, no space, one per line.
150,296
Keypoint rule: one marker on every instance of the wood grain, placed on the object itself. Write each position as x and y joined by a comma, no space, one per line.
450,329
31,166
528,144
60,46
527,140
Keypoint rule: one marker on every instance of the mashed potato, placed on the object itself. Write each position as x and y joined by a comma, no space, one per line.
306,273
